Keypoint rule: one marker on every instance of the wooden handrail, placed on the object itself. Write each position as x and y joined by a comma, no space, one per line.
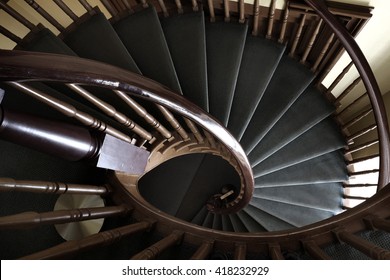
369,81
20,65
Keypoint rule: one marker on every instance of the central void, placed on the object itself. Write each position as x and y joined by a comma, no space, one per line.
182,186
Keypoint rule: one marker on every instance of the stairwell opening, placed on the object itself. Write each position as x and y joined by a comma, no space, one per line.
189,185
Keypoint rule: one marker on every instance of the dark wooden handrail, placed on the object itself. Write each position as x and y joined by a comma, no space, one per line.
23,66
369,81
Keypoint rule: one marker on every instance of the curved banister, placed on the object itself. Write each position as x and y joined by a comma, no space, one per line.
369,81
30,66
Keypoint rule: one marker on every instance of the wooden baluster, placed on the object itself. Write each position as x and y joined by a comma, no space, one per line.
322,53
361,147
33,219
354,103
66,9
358,118
275,252
17,16
311,42
179,6
358,160
153,251
86,5
8,184
110,8
315,251
271,17
70,111
298,35
195,6
361,133
348,90
381,224
211,10
242,11
128,6
339,77
45,15
163,8
363,245
364,172
10,35
240,251
256,16
144,3
194,130
118,4
227,10
174,123
284,24
210,139
112,112
142,112
100,239
203,251
359,185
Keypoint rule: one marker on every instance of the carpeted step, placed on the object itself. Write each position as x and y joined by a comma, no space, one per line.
227,223
237,224
288,82
45,41
186,39
225,44
297,120
212,174
208,221
323,138
166,192
251,224
143,37
217,222
330,167
200,216
296,215
259,61
327,196
266,220
94,38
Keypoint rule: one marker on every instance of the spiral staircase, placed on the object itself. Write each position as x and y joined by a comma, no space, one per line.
249,155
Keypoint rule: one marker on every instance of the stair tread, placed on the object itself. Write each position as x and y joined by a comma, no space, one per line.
259,61
323,138
208,221
204,186
294,123
217,222
326,196
227,223
200,216
46,41
153,186
251,224
237,224
268,221
224,45
293,214
143,36
186,39
330,167
268,112
97,31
